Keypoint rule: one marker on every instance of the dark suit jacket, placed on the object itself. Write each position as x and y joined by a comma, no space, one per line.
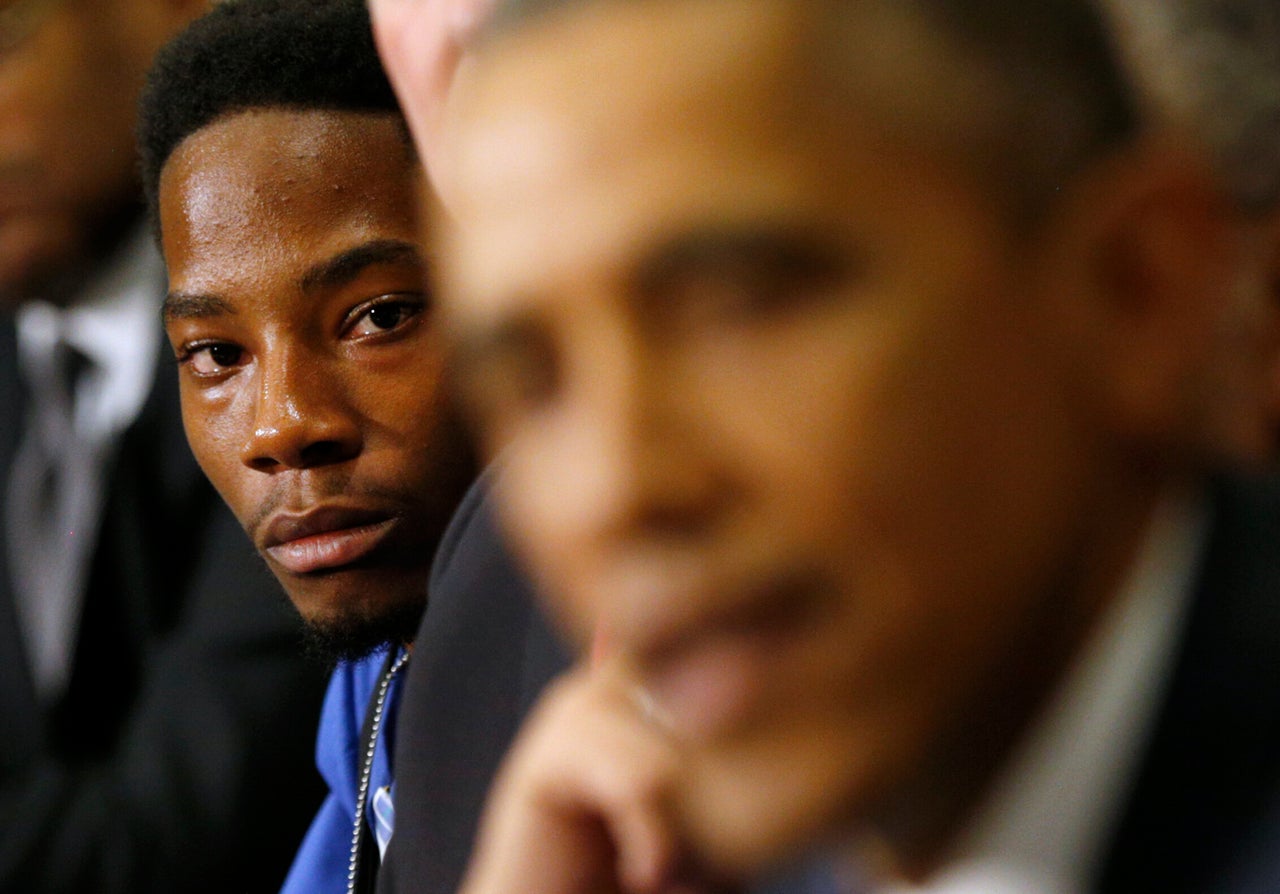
180,758
1203,816
1197,818
481,657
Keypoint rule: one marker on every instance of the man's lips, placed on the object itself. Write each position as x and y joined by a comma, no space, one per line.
708,674
711,685
324,538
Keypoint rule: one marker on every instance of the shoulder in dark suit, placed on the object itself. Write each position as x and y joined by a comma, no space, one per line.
482,656
180,757
1203,816
1196,821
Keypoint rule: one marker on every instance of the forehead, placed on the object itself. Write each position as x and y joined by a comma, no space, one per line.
582,139
260,155
272,180
544,120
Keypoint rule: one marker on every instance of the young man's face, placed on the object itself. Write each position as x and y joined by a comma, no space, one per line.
783,404
309,365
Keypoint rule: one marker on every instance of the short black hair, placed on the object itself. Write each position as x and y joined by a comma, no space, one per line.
1213,67
251,54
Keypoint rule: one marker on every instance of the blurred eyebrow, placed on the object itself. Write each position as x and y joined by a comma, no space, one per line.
797,251
188,305
345,266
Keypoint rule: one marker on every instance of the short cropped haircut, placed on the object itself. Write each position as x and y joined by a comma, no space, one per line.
1031,90
1087,73
1212,67
252,54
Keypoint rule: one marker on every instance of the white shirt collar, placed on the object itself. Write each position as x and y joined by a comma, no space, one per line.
115,323
1043,827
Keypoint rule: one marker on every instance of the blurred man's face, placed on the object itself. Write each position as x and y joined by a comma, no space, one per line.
68,88
783,404
310,369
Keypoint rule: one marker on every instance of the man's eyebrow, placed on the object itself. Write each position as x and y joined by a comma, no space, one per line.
780,248
189,305
345,266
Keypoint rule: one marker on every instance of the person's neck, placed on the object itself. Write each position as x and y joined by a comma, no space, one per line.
916,833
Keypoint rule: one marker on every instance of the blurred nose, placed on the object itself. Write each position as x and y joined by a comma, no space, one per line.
640,468
300,418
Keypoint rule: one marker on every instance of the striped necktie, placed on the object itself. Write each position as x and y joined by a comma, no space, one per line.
53,491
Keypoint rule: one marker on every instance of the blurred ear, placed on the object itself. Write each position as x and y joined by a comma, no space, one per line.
1166,300
1270,240
1249,380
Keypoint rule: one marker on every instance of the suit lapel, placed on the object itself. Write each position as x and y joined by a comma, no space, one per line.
17,697
482,655
155,503
1215,752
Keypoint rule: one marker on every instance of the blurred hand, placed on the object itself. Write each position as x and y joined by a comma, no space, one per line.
584,803
420,42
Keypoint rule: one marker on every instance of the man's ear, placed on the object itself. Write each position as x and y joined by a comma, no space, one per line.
1251,365
1269,243
1148,243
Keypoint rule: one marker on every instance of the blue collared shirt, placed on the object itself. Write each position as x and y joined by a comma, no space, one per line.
320,866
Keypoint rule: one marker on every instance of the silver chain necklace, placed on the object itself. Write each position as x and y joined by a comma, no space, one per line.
366,768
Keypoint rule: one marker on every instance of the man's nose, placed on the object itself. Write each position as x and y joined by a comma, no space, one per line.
300,418
641,459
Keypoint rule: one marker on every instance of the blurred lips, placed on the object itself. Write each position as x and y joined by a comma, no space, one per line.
708,688
324,538
709,676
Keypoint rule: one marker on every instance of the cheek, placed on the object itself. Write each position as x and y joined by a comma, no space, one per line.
216,437
402,396
537,519
799,416
918,441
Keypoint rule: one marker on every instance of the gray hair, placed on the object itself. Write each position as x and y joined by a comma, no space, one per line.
1211,67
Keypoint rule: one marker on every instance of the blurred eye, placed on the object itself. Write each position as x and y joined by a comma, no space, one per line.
513,387
383,315
211,359
745,276
507,375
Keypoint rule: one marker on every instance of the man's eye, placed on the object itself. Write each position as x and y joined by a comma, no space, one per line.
513,383
212,359
383,316
748,277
